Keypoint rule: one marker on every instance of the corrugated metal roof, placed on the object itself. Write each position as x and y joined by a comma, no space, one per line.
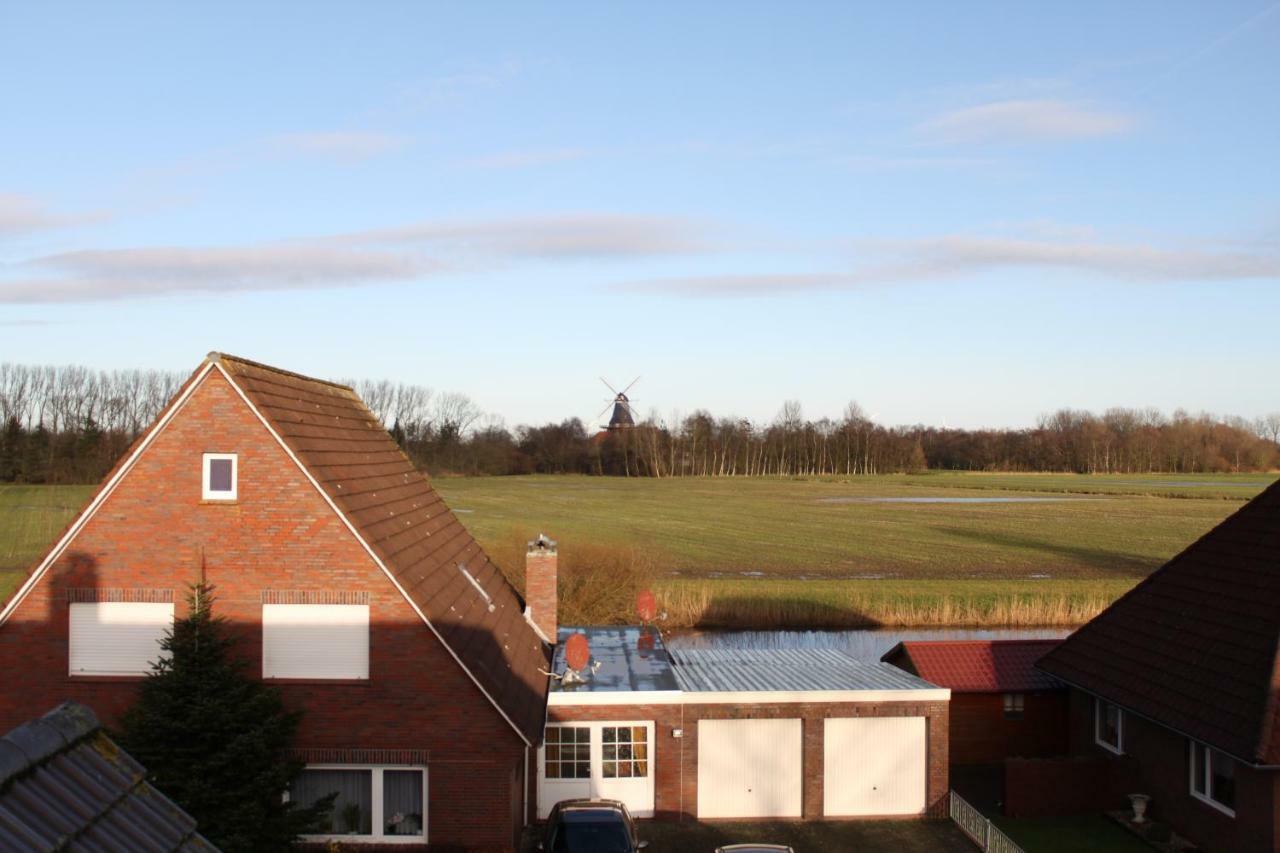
64,785
630,659
788,670
977,666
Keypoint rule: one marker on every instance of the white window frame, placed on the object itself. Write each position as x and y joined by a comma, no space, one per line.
378,818
1207,778
1118,746
208,494
96,610
272,670
1015,706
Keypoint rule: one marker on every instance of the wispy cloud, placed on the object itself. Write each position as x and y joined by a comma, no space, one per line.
395,254
585,235
21,214
1024,121
90,276
527,159
343,144
949,257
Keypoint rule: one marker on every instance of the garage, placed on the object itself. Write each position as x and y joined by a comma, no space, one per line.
750,768
874,766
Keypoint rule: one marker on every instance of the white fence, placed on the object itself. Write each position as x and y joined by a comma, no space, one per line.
983,832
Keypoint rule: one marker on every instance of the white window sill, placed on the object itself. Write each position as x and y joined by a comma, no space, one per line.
1111,748
1229,812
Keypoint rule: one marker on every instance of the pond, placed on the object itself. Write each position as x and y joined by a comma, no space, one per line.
865,645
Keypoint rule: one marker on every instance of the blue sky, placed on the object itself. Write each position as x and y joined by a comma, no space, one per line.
953,213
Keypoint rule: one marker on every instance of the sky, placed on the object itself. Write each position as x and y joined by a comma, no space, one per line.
955,214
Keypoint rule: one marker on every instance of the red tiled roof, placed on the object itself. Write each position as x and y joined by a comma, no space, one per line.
976,666
393,508
1194,645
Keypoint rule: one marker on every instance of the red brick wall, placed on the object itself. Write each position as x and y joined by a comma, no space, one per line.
154,532
980,734
676,759
1160,760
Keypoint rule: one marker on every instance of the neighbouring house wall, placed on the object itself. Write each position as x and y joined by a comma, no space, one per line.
1161,764
676,759
155,533
980,734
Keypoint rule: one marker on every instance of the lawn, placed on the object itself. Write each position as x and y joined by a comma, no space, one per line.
30,518
822,552
872,836
1095,833
839,529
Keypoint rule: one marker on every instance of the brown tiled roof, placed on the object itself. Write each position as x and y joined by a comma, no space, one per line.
1194,645
976,666
64,785
395,511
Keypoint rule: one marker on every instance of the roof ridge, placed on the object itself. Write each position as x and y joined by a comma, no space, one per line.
216,357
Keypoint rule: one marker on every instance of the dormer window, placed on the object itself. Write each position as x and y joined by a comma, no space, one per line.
221,477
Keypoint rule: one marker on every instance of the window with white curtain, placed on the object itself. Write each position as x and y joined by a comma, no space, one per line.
116,637
384,804
316,641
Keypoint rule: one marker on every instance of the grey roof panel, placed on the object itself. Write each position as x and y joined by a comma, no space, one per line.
65,785
785,670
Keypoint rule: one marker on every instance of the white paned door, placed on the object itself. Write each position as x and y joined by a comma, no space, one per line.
874,766
602,760
749,768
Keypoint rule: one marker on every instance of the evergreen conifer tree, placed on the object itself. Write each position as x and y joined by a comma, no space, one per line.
216,740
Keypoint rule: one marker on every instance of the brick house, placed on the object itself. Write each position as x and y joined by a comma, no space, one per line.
724,734
1001,705
351,584
1176,685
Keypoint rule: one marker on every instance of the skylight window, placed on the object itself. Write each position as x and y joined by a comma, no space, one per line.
221,477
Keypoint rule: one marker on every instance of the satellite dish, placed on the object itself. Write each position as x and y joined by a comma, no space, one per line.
577,652
646,605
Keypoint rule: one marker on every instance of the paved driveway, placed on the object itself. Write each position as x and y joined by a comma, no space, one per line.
881,836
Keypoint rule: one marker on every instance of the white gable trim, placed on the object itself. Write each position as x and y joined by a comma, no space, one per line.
101,497
368,549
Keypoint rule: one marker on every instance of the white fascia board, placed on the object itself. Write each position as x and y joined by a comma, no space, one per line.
103,494
369,550
757,697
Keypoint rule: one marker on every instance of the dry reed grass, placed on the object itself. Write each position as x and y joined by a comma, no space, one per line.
689,605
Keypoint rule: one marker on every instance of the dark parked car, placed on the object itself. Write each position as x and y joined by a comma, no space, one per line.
590,826
754,848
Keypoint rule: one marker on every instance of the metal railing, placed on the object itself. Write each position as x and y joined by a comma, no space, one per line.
981,831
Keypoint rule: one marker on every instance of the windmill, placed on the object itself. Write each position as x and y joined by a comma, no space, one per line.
623,416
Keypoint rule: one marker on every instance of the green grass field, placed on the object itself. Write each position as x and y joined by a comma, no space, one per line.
818,552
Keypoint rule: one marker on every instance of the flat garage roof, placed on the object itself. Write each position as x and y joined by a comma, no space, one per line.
635,667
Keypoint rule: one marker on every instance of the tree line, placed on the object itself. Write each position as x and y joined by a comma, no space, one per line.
70,424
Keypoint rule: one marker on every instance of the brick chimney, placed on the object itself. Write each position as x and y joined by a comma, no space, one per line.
540,585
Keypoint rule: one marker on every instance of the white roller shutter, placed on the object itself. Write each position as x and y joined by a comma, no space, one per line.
116,637
315,641
749,768
874,766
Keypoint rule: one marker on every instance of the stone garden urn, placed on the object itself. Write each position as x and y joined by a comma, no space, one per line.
1139,803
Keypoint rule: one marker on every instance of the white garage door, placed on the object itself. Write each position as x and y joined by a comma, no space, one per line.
874,766
749,768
